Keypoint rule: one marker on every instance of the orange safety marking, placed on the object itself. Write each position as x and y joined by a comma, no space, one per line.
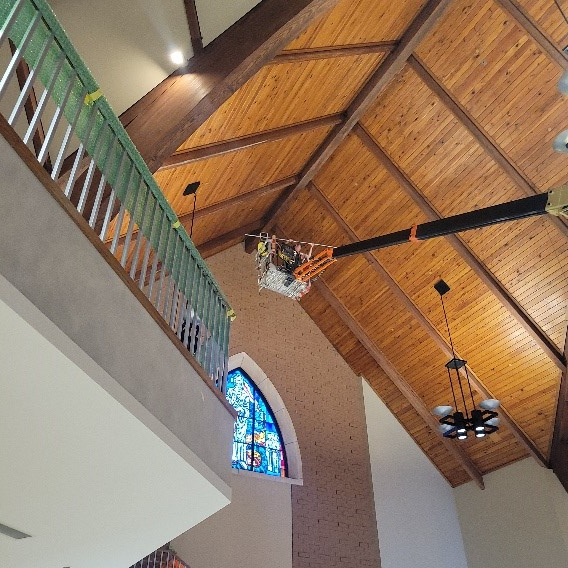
313,267
412,236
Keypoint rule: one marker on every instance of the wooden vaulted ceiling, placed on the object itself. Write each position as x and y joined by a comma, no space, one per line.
353,118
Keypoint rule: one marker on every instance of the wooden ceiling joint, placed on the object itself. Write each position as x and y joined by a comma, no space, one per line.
227,240
388,69
479,269
194,27
530,27
479,135
521,436
559,449
217,149
293,55
170,113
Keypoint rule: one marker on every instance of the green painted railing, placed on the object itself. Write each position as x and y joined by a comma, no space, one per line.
75,135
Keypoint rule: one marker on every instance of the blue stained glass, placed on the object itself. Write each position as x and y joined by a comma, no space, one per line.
257,443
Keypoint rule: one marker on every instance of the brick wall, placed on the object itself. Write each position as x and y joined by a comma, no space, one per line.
333,513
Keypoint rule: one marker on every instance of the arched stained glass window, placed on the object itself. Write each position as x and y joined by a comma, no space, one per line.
257,442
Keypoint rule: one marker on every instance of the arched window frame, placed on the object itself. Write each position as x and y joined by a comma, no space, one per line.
281,415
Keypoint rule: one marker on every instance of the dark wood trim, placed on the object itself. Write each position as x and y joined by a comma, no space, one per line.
222,242
294,55
559,449
389,68
217,149
53,188
406,390
194,27
480,270
478,133
427,325
533,31
30,105
161,121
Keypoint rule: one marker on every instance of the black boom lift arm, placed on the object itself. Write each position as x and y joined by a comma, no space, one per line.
554,202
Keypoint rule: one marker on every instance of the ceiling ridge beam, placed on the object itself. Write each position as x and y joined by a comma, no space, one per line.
487,144
476,265
310,53
387,70
532,29
406,390
163,119
248,140
194,26
429,327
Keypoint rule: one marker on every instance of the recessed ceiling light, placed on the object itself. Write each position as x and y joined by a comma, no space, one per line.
177,57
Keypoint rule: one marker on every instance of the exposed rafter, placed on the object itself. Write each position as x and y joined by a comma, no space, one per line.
380,358
464,251
222,242
194,27
171,112
559,450
203,152
478,133
388,69
531,28
293,55
428,327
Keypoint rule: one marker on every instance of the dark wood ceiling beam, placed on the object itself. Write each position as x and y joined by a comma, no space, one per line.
478,133
170,113
479,269
194,27
380,358
204,152
429,328
559,450
222,205
222,242
389,68
520,15
294,55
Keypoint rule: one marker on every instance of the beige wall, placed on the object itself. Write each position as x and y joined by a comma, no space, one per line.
255,530
333,513
520,520
416,511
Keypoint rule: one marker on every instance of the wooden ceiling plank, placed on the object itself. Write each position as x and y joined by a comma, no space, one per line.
171,112
389,68
533,31
194,27
417,403
479,135
559,448
429,328
222,242
464,251
203,152
293,55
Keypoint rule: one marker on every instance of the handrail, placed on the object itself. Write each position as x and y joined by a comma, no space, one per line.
107,180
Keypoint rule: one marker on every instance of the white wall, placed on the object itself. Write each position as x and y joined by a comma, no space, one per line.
254,530
519,521
416,512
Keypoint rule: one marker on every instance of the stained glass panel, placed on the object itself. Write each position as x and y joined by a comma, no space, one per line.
257,443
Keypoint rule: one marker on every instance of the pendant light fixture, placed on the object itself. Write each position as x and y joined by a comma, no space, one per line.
459,420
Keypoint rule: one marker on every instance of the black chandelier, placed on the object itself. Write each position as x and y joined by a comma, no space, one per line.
457,423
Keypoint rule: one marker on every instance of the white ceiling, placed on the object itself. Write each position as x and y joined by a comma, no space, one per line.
126,45
91,484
